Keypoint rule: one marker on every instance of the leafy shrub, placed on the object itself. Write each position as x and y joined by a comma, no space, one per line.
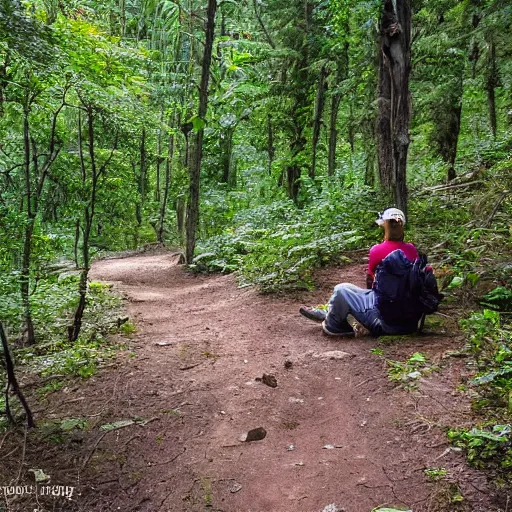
53,304
491,446
490,340
277,246
500,298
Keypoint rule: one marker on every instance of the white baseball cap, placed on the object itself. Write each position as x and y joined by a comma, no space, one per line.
389,214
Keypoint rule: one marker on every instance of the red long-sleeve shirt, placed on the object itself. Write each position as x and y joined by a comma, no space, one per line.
380,251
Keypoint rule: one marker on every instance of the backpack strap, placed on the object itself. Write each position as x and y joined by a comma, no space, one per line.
421,323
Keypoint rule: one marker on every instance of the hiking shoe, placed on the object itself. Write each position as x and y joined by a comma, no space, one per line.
346,331
315,314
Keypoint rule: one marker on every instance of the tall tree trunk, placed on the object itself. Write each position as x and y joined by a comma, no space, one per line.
300,78
270,143
195,164
452,136
122,17
383,125
394,71
233,174
447,113
317,118
350,127
474,53
181,207
333,133
227,153
88,213
25,282
142,178
33,170
491,83
167,184
262,25
159,159
341,75
77,243
29,231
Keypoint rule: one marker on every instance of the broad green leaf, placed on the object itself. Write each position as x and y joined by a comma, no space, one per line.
40,475
387,509
72,423
116,425
455,282
197,123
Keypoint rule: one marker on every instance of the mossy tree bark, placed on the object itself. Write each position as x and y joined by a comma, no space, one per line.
394,98
194,164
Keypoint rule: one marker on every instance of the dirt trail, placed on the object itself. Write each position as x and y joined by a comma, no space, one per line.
198,387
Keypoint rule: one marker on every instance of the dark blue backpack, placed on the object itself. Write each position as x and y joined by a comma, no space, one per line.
406,291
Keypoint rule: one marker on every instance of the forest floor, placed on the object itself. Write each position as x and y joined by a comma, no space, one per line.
359,440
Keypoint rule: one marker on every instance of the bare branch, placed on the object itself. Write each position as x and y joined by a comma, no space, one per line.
11,378
262,25
107,161
8,171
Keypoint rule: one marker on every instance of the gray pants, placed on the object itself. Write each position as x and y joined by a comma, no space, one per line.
360,303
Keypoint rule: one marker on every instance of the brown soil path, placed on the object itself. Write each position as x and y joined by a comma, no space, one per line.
200,344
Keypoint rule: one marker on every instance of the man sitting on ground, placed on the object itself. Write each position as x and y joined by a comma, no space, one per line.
360,303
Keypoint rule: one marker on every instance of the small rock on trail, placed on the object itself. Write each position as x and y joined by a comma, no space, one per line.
333,354
333,508
256,434
269,380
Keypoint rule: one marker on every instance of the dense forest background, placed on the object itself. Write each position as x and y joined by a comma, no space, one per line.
253,135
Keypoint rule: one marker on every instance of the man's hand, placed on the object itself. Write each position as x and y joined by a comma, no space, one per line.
369,281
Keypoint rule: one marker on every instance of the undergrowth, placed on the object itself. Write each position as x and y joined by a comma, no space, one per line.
489,333
277,246
53,358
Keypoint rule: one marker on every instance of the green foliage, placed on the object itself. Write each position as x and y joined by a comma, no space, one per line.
435,474
53,385
127,328
68,424
135,66
54,354
277,246
408,372
490,340
500,298
485,448
480,326
388,509
3,419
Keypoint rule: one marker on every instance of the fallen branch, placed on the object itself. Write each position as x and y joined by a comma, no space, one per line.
10,453
366,381
44,380
136,436
91,453
22,457
442,188
143,423
440,244
496,206
4,438
183,368
168,461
